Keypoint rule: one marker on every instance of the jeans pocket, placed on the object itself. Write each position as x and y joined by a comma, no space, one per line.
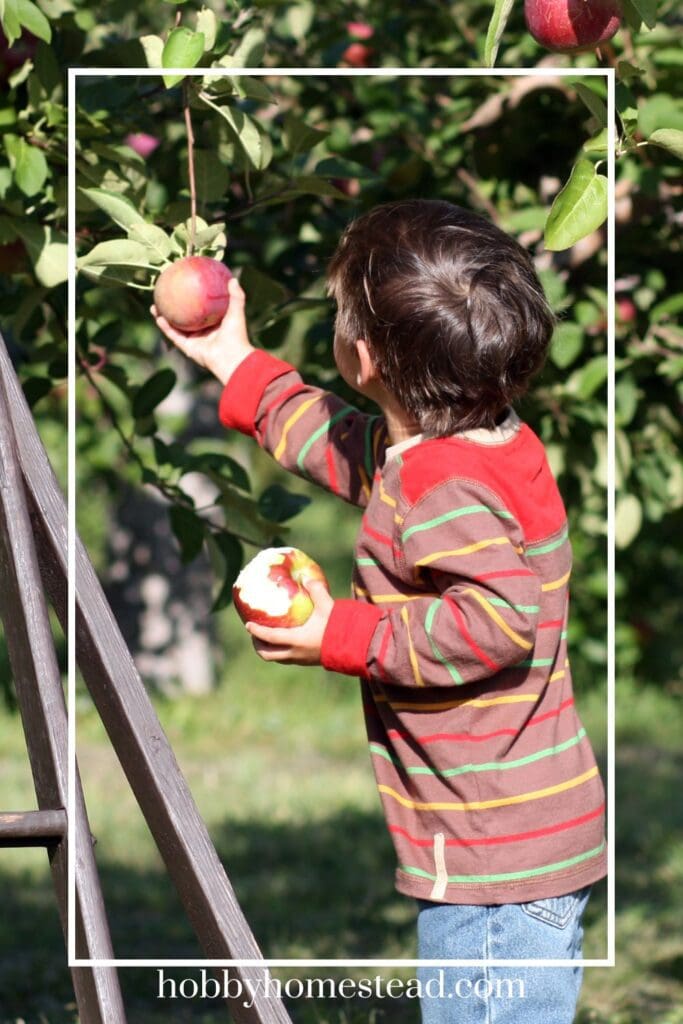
557,911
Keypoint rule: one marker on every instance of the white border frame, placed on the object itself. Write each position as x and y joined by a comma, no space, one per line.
73,75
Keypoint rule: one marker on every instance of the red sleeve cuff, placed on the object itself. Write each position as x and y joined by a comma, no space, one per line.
242,394
347,637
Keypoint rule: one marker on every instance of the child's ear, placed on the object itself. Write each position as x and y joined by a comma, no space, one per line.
367,371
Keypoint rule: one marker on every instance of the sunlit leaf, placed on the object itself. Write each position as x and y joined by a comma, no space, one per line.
579,209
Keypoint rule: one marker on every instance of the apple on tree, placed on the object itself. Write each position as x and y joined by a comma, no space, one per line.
192,293
271,588
569,26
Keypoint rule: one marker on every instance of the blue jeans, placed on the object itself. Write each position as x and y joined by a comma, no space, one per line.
547,929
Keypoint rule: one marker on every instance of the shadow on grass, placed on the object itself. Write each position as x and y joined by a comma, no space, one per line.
323,890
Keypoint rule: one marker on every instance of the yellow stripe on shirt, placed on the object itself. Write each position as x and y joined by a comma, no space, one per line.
419,681
447,705
467,550
493,614
556,584
282,444
480,805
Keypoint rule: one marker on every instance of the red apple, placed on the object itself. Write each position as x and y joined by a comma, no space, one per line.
271,589
192,294
360,29
358,55
572,25
626,311
142,143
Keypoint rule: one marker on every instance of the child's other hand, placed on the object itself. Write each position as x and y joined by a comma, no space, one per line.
299,645
219,349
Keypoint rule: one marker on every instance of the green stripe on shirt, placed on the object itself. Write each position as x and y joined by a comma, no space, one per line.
510,876
319,433
489,766
552,546
454,513
429,620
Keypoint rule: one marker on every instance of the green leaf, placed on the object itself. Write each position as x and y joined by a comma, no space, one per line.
586,381
595,104
154,238
661,111
153,392
48,251
153,47
118,207
222,464
249,51
262,291
251,89
638,11
501,13
579,209
183,49
118,252
256,145
34,20
189,531
299,137
28,165
279,505
233,556
566,345
627,520
206,26
10,21
670,139
36,388
598,143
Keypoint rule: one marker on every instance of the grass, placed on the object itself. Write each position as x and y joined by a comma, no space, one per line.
277,762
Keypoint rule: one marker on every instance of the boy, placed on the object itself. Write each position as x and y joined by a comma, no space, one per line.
457,626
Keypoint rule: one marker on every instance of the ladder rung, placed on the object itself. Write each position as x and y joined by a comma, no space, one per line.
32,828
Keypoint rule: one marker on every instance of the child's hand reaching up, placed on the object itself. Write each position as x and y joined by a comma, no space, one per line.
219,349
299,645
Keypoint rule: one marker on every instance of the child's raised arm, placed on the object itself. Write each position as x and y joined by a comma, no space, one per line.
309,431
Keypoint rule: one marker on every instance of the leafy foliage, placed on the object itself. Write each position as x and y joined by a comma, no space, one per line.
281,165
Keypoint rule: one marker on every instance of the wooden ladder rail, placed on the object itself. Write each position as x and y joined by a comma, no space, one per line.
135,733
42,707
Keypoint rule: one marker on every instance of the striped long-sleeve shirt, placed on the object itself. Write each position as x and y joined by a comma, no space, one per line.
457,629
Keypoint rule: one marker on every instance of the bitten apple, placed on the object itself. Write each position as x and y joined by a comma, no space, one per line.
571,25
271,589
192,294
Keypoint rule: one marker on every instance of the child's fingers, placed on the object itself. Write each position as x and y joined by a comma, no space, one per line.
270,652
274,636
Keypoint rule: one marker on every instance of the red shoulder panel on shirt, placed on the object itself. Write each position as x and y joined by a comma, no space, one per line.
516,470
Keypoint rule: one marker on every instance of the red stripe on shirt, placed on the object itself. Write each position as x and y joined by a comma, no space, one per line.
504,574
436,737
379,537
562,826
280,400
381,654
552,624
331,469
460,622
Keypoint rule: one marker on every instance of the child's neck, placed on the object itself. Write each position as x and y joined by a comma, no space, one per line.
400,426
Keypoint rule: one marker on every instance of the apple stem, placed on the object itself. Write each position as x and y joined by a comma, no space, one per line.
190,168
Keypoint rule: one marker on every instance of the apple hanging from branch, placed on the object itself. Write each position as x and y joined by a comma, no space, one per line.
192,293
569,26
271,588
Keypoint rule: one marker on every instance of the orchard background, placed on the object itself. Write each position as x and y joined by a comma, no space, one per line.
282,164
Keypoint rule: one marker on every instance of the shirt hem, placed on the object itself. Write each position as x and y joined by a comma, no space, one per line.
499,893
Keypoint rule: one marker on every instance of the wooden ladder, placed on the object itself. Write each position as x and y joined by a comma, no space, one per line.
33,567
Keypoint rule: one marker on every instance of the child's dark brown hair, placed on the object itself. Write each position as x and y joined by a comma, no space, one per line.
450,307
